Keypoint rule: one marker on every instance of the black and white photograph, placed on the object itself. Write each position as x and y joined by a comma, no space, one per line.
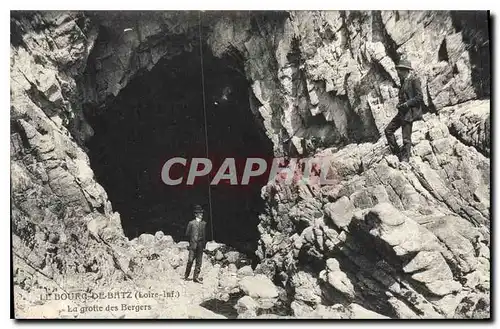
250,164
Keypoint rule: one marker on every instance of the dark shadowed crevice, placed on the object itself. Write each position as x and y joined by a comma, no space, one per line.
482,148
396,14
361,123
430,107
159,115
225,308
17,128
381,34
442,52
474,26
16,32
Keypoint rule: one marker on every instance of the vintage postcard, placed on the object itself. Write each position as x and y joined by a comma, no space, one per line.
250,164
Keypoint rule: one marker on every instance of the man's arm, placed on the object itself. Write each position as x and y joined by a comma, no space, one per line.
204,231
417,90
188,230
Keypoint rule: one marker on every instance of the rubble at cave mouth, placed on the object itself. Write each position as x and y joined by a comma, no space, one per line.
159,115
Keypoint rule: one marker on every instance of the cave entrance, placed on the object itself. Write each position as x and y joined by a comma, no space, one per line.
159,115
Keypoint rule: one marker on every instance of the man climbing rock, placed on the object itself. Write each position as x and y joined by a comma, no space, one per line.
409,110
196,234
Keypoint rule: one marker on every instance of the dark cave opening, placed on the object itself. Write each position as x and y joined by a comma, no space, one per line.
159,115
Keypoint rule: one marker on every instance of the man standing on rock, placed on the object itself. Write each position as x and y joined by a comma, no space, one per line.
196,234
409,110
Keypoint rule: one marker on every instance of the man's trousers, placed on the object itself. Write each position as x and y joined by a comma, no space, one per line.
195,253
406,128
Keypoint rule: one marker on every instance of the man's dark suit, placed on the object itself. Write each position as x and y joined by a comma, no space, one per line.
196,233
411,99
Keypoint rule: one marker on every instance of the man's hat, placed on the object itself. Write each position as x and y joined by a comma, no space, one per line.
404,64
198,209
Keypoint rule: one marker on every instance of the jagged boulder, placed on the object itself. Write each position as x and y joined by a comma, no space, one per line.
245,271
258,286
246,307
337,279
340,211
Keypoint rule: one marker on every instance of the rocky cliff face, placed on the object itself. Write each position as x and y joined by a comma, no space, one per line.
410,241
63,225
402,241
331,75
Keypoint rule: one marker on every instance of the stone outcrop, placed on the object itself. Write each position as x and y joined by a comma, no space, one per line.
387,240
470,123
62,222
408,237
336,72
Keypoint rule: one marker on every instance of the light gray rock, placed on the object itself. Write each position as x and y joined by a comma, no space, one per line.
199,312
146,239
359,312
402,310
212,246
232,256
232,268
337,279
258,286
245,271
219,255
470,123
306,288
458,235
246,304
175,261
182,245
399,231
340,212
266,303
228,281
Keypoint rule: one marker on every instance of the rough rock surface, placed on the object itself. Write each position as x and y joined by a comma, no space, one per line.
339,66
258,286
65,234
416,242
387,240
